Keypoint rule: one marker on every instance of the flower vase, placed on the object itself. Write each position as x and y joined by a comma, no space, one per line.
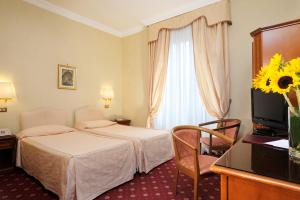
294,138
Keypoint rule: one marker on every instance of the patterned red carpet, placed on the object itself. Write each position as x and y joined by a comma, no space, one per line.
156,185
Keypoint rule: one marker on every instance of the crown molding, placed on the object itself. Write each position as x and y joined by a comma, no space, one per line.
132,31
108,29
73,16
179,11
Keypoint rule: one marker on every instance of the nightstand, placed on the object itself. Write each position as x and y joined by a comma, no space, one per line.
123,121
8,145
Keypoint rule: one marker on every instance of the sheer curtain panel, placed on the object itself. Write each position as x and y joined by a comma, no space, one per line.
181,103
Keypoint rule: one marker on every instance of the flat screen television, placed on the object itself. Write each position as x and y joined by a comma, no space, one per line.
269,109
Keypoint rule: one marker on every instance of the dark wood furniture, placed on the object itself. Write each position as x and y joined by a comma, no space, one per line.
259,139
189,161
253,171
123,121
7,153
257,171
280,38
228,127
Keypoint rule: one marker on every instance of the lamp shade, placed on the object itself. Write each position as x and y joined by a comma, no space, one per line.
7,90
107,93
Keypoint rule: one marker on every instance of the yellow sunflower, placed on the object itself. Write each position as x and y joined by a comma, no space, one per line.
264,84
262,72
256,82
276,62
294,66
283,81
262,79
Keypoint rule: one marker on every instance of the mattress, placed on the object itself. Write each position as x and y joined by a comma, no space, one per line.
77,165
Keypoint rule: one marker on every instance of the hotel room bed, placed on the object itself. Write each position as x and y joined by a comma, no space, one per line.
152,147
73,164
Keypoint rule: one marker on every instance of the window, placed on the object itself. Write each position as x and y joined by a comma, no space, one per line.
181,103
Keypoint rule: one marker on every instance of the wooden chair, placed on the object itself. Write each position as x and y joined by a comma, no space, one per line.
186,140
228,127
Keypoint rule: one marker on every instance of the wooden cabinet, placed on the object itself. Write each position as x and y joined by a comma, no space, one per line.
7,153
281,38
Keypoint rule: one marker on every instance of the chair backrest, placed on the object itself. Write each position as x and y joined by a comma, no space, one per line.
230,127
186,141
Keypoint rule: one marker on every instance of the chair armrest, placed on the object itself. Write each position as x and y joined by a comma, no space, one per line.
209,123
226,127
217,134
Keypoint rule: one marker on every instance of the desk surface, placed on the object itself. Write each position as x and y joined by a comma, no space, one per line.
261,160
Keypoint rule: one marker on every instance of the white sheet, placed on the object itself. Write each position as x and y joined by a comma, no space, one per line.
283,143
78,165
152,147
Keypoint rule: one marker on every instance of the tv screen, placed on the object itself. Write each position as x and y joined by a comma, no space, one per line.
269,109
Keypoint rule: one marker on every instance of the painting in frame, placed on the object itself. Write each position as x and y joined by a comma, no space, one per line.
67,77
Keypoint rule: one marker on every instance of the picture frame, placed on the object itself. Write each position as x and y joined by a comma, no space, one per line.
67,77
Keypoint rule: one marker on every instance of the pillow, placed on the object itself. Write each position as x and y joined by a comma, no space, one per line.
94,124
44,130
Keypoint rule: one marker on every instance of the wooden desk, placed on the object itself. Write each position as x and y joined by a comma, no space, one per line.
251,171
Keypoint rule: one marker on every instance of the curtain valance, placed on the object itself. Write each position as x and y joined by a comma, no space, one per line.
214,13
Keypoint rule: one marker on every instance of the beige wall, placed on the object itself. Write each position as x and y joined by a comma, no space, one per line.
135,61
246,16
32,43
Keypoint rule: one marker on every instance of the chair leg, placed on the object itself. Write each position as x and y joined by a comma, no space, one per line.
210,145
200,148
176,181
196,188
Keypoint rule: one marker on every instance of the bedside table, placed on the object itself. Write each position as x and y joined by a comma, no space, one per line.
123,121
8,145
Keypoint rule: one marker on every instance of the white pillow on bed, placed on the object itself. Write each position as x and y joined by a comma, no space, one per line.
95,124
44,130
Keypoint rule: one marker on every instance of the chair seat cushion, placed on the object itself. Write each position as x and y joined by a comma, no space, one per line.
217,143
205,162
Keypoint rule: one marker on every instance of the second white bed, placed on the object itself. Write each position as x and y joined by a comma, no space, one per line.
152,147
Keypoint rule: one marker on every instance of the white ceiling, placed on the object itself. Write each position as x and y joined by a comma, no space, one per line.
120,17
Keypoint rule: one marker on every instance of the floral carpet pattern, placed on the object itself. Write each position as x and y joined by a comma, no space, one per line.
156,185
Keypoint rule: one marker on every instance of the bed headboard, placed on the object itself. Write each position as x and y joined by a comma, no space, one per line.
88,113
45,116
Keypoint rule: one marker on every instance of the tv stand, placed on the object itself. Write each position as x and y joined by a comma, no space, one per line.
270,132
264,131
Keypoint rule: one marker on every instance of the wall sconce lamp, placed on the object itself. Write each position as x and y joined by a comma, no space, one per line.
107,94
7,93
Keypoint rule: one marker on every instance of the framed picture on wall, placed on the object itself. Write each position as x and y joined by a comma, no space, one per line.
67,76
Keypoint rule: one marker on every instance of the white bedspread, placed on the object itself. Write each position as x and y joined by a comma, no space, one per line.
152,147
78,165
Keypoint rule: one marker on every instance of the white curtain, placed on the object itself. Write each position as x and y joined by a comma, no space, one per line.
181,104
212,66
158,63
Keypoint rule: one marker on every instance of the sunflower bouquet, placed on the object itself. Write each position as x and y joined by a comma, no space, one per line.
280,77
